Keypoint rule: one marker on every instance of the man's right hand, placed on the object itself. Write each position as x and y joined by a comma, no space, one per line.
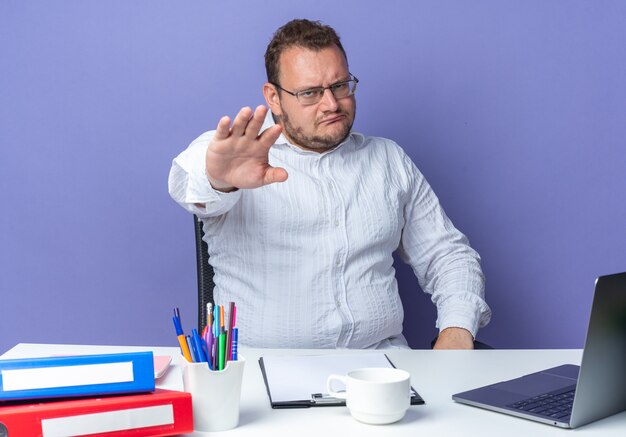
237,156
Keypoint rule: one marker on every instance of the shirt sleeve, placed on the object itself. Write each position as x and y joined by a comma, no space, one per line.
442,259
189,186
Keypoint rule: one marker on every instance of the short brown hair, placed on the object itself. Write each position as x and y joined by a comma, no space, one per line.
304,33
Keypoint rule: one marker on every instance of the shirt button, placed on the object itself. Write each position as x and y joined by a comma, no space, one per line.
338,261
336,223
338,303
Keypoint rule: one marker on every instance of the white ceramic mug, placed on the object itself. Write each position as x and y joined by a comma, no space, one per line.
374,395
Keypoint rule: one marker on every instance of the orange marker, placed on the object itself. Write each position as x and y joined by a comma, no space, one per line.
184,348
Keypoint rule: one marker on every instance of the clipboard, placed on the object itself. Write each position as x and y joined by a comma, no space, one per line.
299,381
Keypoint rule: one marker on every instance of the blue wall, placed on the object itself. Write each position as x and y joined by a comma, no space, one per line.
514,110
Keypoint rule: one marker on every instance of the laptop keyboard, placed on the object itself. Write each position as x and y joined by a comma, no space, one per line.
556,405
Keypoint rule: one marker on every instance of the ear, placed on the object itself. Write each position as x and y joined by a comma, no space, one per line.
272,98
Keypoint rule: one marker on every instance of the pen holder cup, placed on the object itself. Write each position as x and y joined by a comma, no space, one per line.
215,395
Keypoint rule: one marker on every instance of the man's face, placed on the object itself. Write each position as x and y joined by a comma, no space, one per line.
325,124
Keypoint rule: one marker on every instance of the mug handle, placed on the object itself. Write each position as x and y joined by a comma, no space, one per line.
329,388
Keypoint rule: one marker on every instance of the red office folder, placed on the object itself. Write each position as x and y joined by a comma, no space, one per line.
161,413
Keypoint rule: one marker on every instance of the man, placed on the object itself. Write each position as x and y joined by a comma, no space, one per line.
302,215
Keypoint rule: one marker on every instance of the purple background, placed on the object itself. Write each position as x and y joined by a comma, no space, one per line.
514,111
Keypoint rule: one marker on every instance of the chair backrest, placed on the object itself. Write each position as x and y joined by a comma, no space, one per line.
205,274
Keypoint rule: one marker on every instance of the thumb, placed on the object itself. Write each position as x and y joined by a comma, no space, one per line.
275,174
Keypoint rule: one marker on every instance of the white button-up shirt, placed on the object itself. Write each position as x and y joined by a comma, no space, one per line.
309,261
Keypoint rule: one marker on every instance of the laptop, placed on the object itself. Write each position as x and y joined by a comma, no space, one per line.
570,396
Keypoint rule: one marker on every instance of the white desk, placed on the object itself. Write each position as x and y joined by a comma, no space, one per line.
436,375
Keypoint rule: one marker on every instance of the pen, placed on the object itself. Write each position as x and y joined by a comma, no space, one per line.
209,336
184,348
205,344
209,315
216,335
233,351
222,321
197,342
229,333
221,351
209,348
192,352
216,321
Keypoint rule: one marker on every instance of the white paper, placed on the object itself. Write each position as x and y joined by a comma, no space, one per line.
109,421
296,378
66,376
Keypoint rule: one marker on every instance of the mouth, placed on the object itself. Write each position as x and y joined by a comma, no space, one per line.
332,119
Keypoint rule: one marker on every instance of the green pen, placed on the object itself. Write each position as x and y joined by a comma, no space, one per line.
221,350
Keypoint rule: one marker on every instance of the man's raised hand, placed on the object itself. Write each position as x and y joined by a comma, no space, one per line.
237,156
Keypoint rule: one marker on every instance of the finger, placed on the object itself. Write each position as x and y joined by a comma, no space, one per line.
270,135
241,121
254,126
223,128
275,174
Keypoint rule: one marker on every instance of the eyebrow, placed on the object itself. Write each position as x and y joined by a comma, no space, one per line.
304,88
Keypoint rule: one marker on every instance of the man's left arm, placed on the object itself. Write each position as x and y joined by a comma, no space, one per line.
445,265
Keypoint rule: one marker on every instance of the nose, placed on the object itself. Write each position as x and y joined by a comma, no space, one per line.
329,102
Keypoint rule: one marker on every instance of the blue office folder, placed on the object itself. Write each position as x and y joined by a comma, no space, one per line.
73,376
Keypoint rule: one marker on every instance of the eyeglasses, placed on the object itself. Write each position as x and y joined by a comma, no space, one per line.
311,96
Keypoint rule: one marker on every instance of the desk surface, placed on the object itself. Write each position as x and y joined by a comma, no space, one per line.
436,375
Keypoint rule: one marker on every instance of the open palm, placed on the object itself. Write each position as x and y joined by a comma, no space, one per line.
237,156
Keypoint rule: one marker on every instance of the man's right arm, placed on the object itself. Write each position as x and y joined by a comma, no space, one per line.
189,186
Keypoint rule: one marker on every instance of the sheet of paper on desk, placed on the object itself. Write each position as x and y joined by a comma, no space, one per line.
161,364
297,377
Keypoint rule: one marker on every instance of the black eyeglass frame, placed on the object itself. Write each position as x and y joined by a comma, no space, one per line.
321,90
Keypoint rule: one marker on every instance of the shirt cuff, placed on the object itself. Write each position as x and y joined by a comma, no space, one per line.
189,186
462,314
218,203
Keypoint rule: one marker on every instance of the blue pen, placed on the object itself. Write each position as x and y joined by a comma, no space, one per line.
192,349
216,321
235,340
197,343
177,326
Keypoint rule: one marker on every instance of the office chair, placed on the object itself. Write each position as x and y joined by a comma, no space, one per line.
205,274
